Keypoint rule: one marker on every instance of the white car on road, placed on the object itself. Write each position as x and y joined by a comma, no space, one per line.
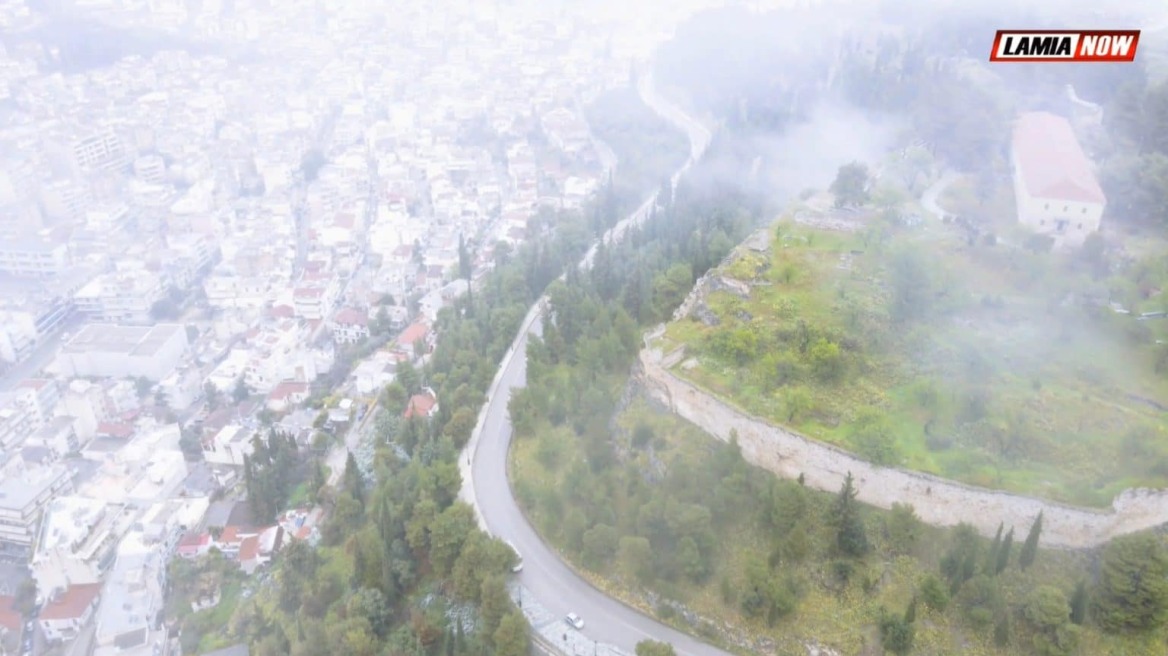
574,621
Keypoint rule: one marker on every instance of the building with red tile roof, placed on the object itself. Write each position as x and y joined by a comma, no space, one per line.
65,616
423,404
287,394
1055,188
350,326
194,545
419,330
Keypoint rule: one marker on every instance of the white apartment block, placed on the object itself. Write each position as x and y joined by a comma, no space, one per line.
19,417
150,169
127,615
120,296
313,303
22,499
77,534
237,292
18,336
229,446
101,150
32,257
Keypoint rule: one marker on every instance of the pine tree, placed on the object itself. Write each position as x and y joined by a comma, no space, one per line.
1079,603
248,474
1004,552
464,264
352,481
851,537
992,556
1030,547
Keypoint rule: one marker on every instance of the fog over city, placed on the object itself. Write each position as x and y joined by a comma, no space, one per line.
453,327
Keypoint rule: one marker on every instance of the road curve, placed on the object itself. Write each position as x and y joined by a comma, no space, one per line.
484,467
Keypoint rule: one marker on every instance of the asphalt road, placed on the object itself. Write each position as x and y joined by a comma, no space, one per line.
544,574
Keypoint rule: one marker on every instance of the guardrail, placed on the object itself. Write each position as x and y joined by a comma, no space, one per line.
541,646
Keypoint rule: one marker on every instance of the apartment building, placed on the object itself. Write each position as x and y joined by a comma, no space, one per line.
100,150
33,257
19,417
120,296
22,498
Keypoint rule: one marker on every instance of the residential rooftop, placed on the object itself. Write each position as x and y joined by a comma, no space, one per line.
142,341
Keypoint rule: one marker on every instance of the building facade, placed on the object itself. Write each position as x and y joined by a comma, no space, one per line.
1055,187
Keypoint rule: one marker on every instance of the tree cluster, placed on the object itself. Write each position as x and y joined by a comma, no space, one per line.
270,473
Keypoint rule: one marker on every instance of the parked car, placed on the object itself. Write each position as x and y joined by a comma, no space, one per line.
574,621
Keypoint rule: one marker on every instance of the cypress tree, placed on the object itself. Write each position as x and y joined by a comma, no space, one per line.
1079,603
1030,547
992,556
910,613
1004,552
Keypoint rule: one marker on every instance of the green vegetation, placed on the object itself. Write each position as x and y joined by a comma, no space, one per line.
989,364
643,503
651,520
654,648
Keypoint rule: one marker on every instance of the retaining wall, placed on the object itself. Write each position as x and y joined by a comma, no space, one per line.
937,501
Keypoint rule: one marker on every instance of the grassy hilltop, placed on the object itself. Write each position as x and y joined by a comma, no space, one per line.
973,354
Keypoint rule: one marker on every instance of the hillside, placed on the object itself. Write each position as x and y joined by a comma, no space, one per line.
925,344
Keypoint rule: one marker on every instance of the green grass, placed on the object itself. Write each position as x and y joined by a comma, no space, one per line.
300,496
212,621
1061,385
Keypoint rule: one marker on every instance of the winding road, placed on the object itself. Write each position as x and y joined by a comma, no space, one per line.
484,468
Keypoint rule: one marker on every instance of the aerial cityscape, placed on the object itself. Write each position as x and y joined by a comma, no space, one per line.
444,328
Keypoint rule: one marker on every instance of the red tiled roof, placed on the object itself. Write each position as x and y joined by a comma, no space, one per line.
286,389
415,331
249,548
345,220
9,618
115,429
72,603
1051,161
420,405
351,317
229,535
282,311
194,540
33,383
